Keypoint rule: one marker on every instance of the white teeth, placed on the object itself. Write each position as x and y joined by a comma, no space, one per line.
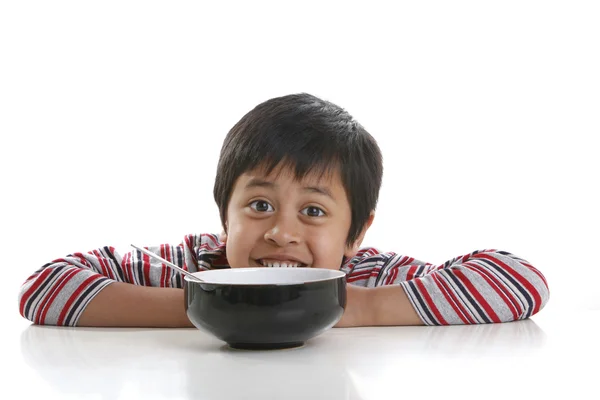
279,264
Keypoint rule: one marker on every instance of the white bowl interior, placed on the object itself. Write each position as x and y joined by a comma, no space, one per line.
267,276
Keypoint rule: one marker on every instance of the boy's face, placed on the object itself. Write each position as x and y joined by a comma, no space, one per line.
274,220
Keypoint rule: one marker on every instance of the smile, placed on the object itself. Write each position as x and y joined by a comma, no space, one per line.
280,264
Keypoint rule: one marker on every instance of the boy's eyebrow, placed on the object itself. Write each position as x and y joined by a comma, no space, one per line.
257,182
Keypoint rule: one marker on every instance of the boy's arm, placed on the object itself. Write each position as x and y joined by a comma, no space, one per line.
61,292
125,305
381,306
481,287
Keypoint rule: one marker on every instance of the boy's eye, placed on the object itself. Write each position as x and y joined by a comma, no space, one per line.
313,211
261,206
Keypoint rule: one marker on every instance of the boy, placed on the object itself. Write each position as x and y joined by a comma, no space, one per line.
297,185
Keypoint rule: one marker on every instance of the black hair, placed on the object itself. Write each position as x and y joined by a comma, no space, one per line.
308,135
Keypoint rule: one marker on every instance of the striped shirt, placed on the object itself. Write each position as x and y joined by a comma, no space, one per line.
485,286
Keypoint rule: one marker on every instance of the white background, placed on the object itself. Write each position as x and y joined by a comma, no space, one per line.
112,116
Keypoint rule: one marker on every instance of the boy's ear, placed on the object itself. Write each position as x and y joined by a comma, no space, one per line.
353,249
223,235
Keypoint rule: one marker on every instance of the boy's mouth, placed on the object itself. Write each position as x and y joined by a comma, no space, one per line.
280,263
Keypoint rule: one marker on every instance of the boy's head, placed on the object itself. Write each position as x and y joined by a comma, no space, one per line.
297,177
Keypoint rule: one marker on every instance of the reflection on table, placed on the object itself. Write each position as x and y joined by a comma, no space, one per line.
188,363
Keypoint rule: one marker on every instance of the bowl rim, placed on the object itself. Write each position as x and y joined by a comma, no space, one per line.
336,274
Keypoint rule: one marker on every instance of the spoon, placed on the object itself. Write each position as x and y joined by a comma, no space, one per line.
170,264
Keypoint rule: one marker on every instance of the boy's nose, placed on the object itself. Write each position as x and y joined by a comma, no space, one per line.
284,232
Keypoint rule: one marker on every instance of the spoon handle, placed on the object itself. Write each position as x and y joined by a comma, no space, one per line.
170,264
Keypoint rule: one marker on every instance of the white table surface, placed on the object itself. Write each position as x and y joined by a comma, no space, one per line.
552,355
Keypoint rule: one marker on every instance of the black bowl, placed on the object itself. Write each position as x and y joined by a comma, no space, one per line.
266,308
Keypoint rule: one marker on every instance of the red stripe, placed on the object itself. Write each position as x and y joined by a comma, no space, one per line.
512,304
32,289
411,272
32,277
538,273
391,275
107,264
146,267
213,241
188,248
113,260
163,282
430,302
363,274
475,293
532,290
101,261
43,310
453,301
76,293
363,271
129,268
124,267
81,259
357,277
169,256
405,261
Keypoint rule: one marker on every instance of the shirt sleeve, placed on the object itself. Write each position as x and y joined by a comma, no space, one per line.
58,292
485,286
